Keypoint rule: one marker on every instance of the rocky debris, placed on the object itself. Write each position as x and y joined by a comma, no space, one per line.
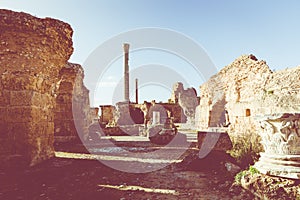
233,169
267,187
32,52
72,114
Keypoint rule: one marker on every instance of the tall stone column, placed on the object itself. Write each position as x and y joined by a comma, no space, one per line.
280,135
126,72
32,52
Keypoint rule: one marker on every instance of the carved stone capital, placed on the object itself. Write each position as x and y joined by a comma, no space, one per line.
280,135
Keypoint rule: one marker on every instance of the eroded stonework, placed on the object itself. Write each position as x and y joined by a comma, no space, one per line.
246,89
233,92
280,135
32,52
188,101
72,114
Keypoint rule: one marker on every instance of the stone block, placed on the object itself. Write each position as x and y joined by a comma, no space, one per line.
4,97
21,98
214,141
4,130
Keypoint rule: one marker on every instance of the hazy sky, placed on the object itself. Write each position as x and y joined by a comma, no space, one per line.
226,29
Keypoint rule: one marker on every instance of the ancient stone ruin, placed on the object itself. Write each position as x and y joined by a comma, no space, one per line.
261,107
72,114
32,51
281,139
227,99
188,101
41,94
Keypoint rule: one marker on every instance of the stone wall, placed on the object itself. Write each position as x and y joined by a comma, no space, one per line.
188,101
32,52
72,113
234,89
247,88
107,113
281,93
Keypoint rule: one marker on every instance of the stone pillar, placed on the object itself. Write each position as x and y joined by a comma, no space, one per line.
122,114
126,72
32,52
136,91
72,105
156,118
280,135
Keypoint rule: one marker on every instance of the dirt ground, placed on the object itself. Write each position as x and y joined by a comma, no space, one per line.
70,177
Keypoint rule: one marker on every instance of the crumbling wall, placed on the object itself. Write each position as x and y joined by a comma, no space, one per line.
188,101
281,93
72,112
107,113
32,52
235,89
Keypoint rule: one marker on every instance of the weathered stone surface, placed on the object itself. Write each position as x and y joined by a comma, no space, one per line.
247,88
214,140
107,113
72,114
270,187
188,101
234,89
280,138
280,93
122,114
32,52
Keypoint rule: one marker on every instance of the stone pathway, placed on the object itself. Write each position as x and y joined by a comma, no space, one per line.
87,178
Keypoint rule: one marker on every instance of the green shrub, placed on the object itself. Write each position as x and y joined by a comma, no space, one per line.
246,148
253,170
238,177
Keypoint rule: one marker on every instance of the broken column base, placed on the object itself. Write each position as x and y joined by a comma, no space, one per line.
287,166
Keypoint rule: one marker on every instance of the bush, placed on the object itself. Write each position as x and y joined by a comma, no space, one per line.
246,148
252,170
238,176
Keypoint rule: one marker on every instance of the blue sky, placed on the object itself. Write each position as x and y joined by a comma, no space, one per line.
225,29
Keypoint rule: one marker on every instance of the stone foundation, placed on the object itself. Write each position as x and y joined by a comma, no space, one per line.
213,140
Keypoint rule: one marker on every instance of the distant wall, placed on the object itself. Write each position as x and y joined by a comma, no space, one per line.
107,113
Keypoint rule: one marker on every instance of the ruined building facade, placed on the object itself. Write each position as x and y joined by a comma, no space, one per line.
33,58
248,91
33,51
